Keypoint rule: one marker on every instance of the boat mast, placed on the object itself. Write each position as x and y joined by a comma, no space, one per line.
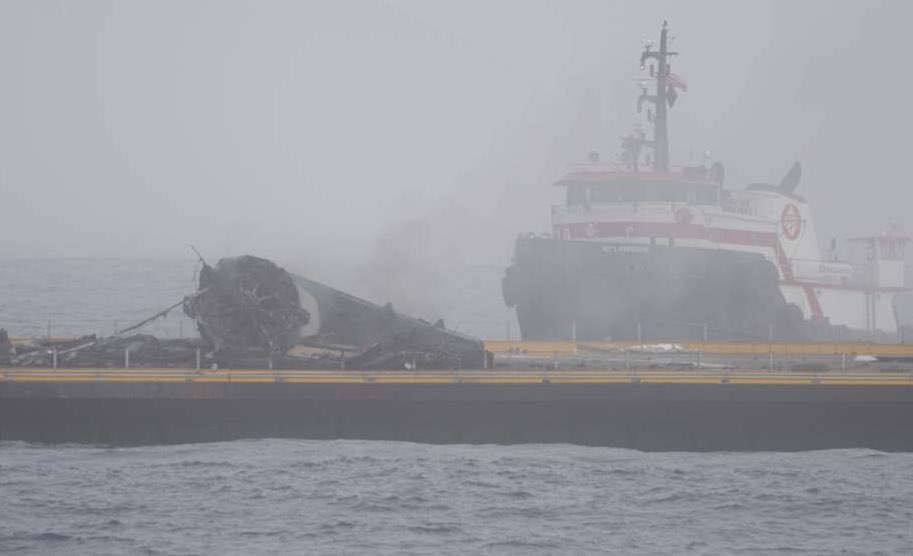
661,99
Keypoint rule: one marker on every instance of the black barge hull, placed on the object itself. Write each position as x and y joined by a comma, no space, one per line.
692,417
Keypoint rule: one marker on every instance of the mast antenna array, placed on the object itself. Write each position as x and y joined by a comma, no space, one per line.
663,99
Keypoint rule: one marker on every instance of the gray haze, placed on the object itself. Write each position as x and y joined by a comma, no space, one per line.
323,133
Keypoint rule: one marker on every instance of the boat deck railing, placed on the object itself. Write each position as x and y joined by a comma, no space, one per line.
728,347
544,348
466,376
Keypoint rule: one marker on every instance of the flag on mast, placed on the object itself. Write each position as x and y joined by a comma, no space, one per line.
675,81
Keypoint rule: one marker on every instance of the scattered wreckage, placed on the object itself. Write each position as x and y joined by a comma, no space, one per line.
248,307
251,313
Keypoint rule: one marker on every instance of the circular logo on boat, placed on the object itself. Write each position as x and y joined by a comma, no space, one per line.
590,230
791,221
683,215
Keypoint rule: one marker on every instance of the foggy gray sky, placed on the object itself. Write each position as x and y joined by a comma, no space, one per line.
318,132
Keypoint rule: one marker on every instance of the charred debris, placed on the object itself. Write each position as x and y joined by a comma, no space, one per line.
251,313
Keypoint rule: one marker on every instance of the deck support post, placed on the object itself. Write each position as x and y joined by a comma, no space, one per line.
574,336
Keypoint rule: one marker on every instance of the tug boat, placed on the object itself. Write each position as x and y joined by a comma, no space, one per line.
644,250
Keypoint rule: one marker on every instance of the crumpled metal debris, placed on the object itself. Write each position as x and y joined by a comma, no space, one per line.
246,304
6,346
91,351
380,338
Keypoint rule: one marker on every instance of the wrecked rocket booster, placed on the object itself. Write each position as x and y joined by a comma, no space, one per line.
246,303
250,305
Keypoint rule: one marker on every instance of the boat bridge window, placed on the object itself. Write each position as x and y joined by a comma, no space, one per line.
891,249
577,195
641,192
878,248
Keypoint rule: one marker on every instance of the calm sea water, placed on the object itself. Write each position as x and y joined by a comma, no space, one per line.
300,497
85,296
